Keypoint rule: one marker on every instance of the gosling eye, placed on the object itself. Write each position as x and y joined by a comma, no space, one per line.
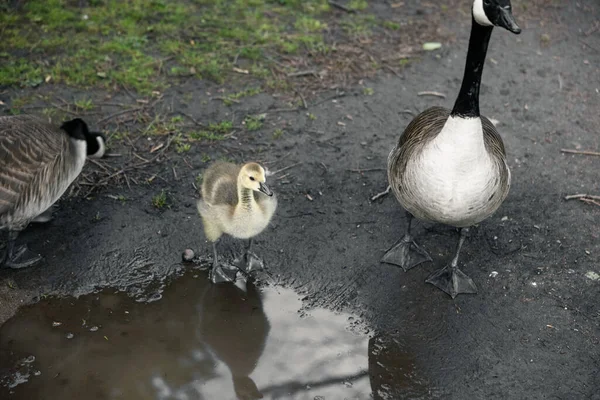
252,178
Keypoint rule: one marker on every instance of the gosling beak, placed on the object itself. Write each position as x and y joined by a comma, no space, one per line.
265,189
507,21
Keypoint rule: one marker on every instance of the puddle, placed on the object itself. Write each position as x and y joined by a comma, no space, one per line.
199,341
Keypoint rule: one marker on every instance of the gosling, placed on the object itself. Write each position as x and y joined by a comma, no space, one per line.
236,201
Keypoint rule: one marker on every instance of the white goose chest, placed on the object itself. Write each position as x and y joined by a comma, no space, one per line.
453,180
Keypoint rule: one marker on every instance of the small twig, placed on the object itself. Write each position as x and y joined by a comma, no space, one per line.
175,174
359,170
191,118
341,7
590,201
277,110
117,114
384,193
584,152
302,73
226,99
286,168
430,93
581,196
303,100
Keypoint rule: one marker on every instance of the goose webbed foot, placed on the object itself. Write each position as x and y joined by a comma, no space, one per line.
452,281
14,258
406,254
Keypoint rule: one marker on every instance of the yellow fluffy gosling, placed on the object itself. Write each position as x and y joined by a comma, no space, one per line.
235,200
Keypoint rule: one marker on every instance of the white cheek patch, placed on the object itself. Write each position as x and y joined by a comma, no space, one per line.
479,14
101,148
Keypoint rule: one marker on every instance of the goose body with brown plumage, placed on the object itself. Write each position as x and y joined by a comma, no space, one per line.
38,162
236,201
449,166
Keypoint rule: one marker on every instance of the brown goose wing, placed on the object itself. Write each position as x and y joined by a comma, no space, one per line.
421,130
493,141
219,185
27,147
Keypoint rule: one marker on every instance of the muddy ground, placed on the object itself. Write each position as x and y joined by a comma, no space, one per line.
532,331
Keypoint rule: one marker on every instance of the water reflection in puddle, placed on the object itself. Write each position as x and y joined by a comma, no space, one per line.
199,341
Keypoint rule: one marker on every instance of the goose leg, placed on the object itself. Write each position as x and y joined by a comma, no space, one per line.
406,253
218,274
450,279
12,254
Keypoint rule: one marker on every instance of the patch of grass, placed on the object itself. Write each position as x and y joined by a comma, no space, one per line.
394,26
254,122
215,131
198,180
311,116
368,91
358,4
277,133
84,104
231,98
205,158
160,200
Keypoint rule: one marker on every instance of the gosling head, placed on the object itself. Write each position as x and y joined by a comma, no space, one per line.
78,129
495,13
253,177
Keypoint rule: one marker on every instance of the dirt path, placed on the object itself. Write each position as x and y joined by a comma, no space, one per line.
532,331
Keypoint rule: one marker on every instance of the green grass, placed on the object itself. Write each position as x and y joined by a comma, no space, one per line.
160,200
139,43
144,45
254,122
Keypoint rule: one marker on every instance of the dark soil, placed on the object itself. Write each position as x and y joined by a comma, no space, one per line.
532,331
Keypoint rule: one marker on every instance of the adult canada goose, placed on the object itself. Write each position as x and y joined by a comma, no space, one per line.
235,200
449,166
38,162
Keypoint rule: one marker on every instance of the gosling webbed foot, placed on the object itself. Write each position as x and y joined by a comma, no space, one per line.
452,281
14,262
406,254
250,262
223,274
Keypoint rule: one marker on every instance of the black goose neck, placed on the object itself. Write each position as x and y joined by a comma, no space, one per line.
467,102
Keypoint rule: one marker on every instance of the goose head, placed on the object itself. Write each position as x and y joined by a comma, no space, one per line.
495,13
78,129
252,176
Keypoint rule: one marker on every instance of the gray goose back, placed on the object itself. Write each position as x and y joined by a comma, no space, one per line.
38,162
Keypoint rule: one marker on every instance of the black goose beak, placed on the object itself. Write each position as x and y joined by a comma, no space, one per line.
265,189
507,21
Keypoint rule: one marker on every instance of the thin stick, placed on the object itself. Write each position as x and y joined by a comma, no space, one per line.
341,7
581,196
286,168
226,99
302,73
584,152
590,201
429,93
117,114
384,193
359,170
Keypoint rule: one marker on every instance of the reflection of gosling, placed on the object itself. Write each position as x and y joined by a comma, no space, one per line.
236,201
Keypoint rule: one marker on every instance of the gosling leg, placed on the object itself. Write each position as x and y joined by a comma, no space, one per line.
450,279
218,274
251,262
406,253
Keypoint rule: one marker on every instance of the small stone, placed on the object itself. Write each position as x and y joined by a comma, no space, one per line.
70,335
188,255
592,275
55,324
493,274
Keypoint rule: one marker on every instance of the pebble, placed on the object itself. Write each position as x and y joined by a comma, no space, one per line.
188,255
